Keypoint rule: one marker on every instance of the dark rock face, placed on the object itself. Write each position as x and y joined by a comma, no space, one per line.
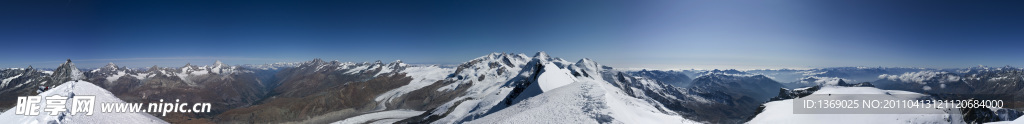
20,82
862,84
339,101
758,87
1008,114
29,81
317,81
1005,84
330,92
66,72
674,78
723,98
534,69
797,93
978,115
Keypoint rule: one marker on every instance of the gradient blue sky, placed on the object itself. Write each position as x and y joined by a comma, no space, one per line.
670,34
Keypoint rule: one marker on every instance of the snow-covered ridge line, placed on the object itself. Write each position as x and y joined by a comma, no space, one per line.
111,72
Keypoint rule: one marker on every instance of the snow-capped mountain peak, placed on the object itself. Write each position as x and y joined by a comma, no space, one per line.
316,61
67,72
110,66
542,56
588,64
219,64
154,68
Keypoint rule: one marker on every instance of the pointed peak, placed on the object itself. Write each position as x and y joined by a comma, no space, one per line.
317,61
585,60
66,72
397,63
218,63
67,65
110,65
542,57
541,54
377,62
154,68
188,64
494,54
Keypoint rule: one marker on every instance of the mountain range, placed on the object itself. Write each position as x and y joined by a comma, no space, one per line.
500,88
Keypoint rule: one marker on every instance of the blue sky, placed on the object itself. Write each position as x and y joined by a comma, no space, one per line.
626,34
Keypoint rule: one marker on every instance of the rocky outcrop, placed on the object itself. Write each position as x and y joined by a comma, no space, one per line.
66,72
21,82
796,93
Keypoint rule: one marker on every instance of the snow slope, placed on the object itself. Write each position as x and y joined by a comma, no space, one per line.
781,112
384,117
554,77
484,94
81,88
585,101
421,77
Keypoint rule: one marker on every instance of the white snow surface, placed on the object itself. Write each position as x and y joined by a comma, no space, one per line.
114,77
81,88
482,96
384,117
585,101
781,112
141,76
76,74
421,77
554,77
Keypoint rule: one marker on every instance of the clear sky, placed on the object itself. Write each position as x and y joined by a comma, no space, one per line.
661,34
